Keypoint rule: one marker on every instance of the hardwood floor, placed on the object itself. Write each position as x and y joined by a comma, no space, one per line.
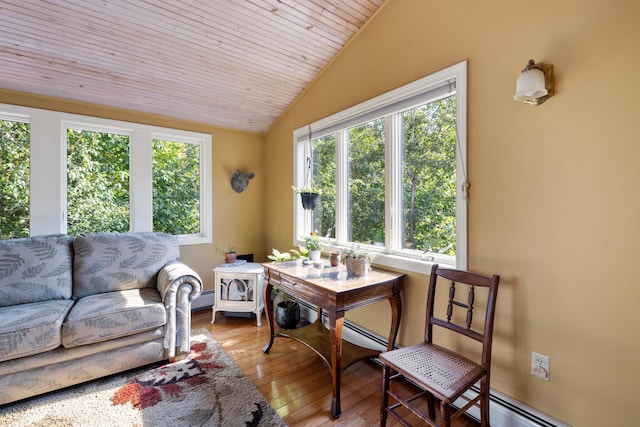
295,380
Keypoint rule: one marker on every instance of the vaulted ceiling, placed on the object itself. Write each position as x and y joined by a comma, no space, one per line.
231,63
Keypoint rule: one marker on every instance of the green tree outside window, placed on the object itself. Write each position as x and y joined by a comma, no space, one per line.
14,179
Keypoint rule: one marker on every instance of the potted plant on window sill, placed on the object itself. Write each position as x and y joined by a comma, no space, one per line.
309,196
358,260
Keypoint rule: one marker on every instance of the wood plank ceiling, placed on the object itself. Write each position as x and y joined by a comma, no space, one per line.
231,63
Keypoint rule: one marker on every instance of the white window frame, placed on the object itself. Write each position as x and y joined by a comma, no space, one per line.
206,217
48,156
393,255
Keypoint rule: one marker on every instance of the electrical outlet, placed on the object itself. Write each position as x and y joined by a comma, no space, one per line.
540,366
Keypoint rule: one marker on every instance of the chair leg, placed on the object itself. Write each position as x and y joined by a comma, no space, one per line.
431,406
445,413
384,397
484,403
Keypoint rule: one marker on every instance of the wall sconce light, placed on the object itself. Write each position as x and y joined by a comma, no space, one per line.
535,84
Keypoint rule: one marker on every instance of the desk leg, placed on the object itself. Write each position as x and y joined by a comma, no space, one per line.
269,307
396,313
336,321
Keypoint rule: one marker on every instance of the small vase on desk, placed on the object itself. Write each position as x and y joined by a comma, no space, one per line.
334,258
314,256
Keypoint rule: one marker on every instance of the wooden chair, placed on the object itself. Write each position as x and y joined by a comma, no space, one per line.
440,372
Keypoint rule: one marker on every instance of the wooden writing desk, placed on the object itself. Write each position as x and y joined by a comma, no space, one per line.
330,289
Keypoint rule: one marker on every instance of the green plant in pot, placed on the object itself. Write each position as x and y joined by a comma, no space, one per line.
230,254
312,244
294,254
277,256
358,260
300,253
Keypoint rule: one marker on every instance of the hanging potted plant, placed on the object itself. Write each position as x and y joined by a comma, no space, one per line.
358,261
309,196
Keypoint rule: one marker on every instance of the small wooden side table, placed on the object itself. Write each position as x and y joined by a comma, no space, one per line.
331,289
238,289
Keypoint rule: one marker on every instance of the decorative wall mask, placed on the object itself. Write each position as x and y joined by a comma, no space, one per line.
240,181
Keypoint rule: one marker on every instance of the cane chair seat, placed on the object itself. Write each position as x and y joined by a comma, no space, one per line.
433,366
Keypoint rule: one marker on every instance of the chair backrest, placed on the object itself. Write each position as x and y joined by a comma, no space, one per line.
464,282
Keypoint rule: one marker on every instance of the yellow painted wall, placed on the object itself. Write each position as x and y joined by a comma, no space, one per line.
237,217
554,207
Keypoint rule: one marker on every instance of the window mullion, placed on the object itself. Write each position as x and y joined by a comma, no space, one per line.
141,181
393,184
48,181
461,172
342,182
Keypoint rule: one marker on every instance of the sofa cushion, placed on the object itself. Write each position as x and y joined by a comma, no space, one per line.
35,269
111,315
107,262
28,329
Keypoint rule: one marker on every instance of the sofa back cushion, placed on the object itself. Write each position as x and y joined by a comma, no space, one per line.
35,269
108,262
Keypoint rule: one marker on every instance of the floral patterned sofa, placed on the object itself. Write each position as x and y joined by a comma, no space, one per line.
76,309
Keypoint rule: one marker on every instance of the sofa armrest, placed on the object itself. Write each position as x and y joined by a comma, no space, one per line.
178,285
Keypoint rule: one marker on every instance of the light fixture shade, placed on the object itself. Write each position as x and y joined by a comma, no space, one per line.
530,85
535,84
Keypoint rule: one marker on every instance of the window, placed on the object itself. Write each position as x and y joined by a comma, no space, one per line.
97,182
83,174
14,178
429,177
176,187
366,183
392,174
324,177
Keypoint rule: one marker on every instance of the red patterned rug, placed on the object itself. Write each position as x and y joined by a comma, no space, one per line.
205,389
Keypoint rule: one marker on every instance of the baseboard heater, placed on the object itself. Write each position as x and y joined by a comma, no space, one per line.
205,300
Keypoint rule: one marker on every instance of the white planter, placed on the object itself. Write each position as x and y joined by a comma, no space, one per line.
314,256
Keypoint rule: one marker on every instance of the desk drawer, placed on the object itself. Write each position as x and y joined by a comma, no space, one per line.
300,289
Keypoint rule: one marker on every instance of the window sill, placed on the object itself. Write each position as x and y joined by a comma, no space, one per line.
412,265
193,239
